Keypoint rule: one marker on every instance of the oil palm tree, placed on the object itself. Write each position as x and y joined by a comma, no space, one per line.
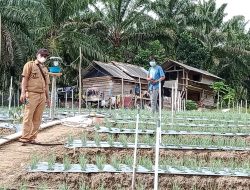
16,41
125,23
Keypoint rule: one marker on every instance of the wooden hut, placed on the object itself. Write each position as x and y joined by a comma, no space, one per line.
101,81
193,84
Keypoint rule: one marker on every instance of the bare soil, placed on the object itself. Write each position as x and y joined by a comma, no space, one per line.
15,159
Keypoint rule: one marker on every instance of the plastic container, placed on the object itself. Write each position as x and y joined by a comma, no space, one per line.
54,69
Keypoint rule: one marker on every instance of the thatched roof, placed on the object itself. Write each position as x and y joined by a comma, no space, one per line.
132,70
190,68
108,68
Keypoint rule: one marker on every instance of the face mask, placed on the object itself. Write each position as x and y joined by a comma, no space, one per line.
41,59
152,63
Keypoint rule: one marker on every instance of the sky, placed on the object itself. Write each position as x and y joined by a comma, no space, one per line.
236,7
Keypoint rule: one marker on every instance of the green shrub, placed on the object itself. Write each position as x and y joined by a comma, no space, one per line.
191,105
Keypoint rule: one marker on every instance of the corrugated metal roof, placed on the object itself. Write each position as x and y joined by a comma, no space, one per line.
113,70
190,68
132,70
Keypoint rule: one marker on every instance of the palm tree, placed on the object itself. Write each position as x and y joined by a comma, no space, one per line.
122,24
62,28
16,42
207,23
173,18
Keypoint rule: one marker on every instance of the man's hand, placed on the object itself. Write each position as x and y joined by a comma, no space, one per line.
23,97
154,81
149,78
48,103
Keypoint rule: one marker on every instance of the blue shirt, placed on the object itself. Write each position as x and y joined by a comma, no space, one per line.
155,73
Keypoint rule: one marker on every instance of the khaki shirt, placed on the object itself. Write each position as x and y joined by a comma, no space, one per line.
35,82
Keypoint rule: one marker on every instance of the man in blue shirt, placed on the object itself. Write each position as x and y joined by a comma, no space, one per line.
155,75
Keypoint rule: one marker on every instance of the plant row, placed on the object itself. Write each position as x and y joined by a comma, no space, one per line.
145,165
113,130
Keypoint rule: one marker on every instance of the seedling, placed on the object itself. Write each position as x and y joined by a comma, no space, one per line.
146,162
176,186
97,126
70,140
101,187
23,186
111,140
34,162
115,162
83,186
97,139
83,162
64,186
123,139
84,139
128,160
51,162
100,160
66,163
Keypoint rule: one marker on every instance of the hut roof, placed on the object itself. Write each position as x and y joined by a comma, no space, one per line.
190,68
109,68
132,70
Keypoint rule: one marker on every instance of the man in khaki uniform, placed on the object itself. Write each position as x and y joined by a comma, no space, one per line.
35,94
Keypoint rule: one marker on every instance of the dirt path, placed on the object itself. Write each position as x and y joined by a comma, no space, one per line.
14,157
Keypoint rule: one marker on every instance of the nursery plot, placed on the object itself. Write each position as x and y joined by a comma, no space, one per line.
110,168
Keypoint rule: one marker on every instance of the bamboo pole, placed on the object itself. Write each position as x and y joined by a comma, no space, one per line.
157,152
2,98
172,105
53,98
122,93
72,100
80,81
241,106
0,38
140,93
246,106
10,91
135,150
160,105
14,99
18,96
66,99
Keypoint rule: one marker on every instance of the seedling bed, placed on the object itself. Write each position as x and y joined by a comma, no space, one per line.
92,144
169,132
166,169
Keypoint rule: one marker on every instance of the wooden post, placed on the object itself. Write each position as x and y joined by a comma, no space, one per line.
122,93
175,95
66,99
18,96
53,98
2,98
80,80
246,106
140,93
0,38
53,94
72,100
172,105
241,106
186,86
10,95
14,99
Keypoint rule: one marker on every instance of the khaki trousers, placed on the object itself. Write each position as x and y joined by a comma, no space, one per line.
32,115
